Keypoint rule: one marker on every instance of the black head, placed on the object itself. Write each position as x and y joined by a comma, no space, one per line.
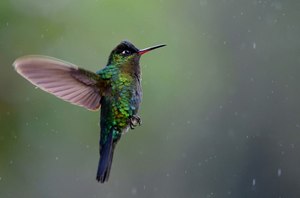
125,48
125,51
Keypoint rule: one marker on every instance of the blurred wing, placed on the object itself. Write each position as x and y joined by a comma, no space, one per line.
62,79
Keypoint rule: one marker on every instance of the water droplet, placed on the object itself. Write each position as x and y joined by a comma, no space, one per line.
279,172
56,158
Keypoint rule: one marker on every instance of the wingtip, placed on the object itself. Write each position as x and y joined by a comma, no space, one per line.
18,62
16,65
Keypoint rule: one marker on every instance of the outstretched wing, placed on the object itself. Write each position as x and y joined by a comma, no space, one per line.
62,79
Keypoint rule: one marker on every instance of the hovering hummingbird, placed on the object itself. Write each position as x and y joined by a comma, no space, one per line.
116,88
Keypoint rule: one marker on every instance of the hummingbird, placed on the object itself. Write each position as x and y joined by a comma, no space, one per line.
115,89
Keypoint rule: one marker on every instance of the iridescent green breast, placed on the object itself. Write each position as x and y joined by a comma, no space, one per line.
121,96
119,103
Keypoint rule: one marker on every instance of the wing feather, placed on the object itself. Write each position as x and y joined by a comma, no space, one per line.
62,79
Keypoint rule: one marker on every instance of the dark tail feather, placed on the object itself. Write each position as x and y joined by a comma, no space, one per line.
106,157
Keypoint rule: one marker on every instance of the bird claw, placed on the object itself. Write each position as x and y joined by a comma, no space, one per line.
135,121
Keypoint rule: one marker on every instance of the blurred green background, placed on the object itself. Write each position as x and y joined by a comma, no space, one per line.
221,113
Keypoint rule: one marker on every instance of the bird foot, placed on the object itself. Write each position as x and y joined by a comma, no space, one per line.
135,121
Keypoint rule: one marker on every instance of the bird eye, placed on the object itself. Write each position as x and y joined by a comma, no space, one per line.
125,52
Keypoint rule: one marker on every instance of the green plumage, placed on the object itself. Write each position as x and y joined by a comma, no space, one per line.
117,103
120,101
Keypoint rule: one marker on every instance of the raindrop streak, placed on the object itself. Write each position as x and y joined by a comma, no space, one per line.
279,172
253,182
254,45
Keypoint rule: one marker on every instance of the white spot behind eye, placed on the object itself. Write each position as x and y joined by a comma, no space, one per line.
125,52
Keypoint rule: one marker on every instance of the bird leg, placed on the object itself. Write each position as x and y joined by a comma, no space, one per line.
135,121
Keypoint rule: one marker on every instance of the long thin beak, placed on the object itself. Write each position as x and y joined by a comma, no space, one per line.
148,49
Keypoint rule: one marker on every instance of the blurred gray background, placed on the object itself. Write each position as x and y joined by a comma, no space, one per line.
221,113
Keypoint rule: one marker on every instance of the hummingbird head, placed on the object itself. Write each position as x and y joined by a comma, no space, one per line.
126,53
